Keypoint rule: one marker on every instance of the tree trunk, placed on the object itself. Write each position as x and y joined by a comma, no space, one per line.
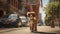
52,23
59,23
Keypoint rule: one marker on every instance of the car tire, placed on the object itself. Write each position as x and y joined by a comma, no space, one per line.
19,24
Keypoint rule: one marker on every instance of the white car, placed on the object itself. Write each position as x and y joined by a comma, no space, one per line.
23,20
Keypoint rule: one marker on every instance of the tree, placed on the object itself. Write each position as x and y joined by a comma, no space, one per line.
52,11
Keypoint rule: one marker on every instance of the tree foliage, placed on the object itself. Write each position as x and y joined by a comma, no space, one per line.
52,9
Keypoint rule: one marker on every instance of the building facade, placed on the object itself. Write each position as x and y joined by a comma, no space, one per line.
16,6
3,7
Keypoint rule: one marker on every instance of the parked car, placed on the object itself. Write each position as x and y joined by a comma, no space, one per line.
23,20
9,20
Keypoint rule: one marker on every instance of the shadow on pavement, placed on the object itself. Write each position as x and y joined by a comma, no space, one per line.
43,32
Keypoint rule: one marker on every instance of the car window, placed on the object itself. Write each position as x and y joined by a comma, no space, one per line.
13,16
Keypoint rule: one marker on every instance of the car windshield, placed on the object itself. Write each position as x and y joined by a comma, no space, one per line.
13,16
10,16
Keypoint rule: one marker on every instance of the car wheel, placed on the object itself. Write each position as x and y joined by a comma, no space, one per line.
19,24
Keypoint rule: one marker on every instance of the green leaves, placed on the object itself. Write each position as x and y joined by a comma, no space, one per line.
52,8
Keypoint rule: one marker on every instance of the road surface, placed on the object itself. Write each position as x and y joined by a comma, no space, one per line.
26,30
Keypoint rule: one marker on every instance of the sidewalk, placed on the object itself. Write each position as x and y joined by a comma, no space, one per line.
8,29
41,29
48,29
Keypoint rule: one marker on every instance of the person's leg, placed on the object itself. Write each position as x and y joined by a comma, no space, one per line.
36,9
35,27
